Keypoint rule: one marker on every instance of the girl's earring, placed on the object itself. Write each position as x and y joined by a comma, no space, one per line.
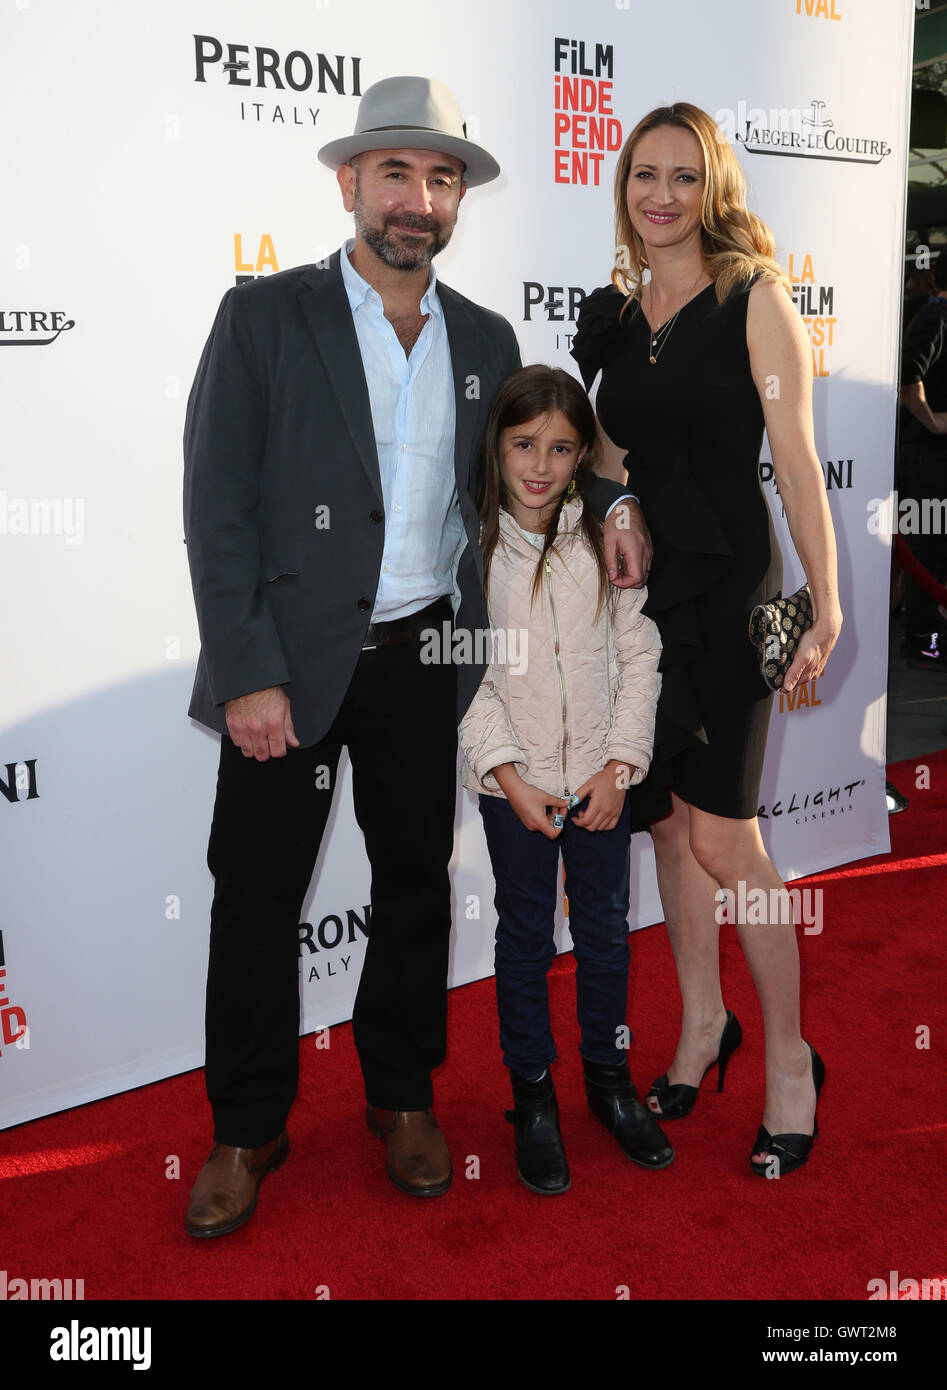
571,488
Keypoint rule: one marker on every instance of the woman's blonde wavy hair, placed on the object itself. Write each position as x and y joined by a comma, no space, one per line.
737,244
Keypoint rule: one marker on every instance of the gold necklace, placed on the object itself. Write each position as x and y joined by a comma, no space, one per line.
659,336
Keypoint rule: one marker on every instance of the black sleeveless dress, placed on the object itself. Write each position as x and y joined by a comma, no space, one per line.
693,426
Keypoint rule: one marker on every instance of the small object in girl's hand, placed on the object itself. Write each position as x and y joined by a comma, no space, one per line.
557,821
573,801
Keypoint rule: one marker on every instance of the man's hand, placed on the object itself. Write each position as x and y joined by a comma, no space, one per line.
261,724
626,535
606,793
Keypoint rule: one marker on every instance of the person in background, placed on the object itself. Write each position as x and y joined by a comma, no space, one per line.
922,468
918,288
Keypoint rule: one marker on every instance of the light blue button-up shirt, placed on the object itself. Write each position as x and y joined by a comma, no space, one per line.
412,400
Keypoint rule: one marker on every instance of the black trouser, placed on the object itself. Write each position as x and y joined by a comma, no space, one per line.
399,723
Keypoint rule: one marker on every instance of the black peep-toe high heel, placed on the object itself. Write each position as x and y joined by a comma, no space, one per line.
789,1150
678,1101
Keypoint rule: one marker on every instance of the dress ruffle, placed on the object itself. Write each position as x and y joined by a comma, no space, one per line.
598,333
693,560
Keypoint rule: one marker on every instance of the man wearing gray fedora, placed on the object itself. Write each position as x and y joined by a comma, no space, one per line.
331,468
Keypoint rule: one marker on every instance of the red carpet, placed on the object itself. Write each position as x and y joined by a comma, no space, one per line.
85,1193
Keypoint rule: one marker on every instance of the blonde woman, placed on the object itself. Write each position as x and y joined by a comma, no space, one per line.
700,347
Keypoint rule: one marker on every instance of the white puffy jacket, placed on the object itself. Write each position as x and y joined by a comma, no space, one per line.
582,692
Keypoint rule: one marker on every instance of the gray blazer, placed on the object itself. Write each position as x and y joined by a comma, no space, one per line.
279,424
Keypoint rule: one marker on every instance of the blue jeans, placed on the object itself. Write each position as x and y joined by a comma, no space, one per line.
526,868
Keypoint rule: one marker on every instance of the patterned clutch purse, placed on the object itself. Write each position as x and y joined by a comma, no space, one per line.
775,628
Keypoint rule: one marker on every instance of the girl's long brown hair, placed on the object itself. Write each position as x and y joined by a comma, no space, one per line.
737,244
525,395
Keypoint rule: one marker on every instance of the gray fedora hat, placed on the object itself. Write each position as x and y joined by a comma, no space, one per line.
412,113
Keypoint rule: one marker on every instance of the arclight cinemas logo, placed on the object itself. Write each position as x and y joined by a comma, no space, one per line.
75,1343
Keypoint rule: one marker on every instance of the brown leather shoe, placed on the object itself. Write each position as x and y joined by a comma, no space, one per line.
224,1195
418,1157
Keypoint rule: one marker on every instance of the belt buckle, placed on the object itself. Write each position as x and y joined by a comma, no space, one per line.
392,641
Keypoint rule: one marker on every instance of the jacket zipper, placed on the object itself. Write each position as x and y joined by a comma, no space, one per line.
562,684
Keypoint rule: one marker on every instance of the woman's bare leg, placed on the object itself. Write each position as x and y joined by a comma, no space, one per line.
689,902
731,851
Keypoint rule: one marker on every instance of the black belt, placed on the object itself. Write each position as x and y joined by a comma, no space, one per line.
404,629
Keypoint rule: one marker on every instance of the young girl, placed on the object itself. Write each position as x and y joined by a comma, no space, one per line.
550,744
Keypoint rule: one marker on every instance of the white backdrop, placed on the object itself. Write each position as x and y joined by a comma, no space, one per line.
135,194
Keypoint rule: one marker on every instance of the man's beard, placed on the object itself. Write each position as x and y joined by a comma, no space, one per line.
409,253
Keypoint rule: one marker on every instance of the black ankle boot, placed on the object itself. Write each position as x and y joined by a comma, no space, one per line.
614,1100
540,1157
